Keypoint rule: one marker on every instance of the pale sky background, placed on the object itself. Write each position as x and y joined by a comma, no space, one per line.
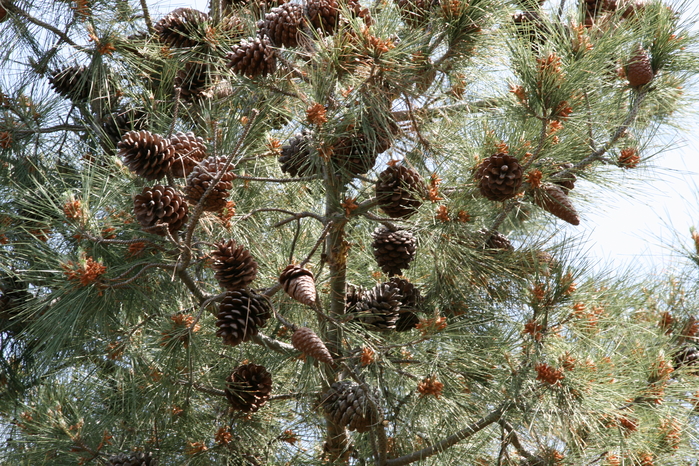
647,226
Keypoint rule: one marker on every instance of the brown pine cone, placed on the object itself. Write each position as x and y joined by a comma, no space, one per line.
346,404
240,314
353,295
133,459
192,80
687,355
639,71
117,124
410,294
159,207
71,82
553,199
565,181
283,25
296,156
232,26
298,283
379,308
234,266
393,250
305,340
499,177
189,151
253,57
146,154
416,13
202,177
183,27
248,387
496,240
323,15
399,191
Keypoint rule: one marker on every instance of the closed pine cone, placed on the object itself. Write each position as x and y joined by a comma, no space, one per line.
639,71
399,191
253,57
283,24
234,266
183,27
379,307
159,207
499,177
298,283
146,154
248,388
305,340
192,80
189,151
71,82
553,199
496,240
346,404
393,250
202,177
133,459
240,314
296,156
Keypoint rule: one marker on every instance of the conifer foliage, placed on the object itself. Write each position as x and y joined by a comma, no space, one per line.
328,232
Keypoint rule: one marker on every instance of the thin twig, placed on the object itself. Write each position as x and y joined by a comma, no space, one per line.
514,439
12,7
298,216
319,241
276,180
452,439
146,267
201,388
146,17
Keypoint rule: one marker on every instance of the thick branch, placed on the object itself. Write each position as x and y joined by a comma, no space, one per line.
275,345
451,440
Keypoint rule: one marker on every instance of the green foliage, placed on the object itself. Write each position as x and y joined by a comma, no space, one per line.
518,353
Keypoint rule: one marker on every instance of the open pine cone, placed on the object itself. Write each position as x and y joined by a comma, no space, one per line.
296,156
393,250
379,307
234,266
192,80
253,57
283,24
240,315
346,404
499,177
248,387
71,82
189,151
146,154
183,27
160,207
202,177
399,191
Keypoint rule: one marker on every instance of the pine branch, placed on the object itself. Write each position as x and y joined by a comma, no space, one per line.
12,7
451,440
275,345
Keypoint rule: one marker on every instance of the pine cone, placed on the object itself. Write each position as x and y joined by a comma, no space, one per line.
252,58
346,404
189,151
305,340
496,240
234,266
410,295
407,321
298,283
201,178
686,356
192,80
158,207
379,307
355,154
399,191
232,26
133,459
71,82
639,71
353,295
553,199
499,177
393,250
240,314
117,124
296,156
146,154
531,27
183,27
567,181
323,15
283,25
248,387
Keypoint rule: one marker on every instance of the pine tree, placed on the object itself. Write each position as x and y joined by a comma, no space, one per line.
328,232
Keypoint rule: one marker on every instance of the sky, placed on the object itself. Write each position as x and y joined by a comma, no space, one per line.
643,222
